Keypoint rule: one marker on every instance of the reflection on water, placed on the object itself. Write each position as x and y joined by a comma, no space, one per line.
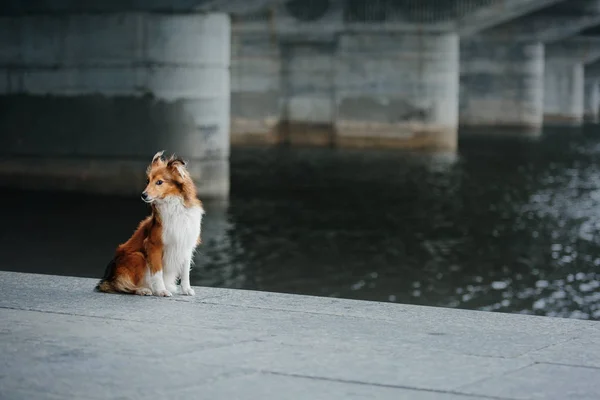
506,225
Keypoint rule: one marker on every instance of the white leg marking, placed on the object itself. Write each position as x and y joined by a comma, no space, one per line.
170,278
186,289
158,285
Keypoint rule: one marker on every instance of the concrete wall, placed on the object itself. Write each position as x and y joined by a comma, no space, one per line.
348,89
563,91
86,100
502,83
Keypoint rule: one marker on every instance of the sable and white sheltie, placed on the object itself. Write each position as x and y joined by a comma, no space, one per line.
160,251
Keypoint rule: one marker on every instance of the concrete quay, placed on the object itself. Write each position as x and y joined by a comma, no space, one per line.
60,339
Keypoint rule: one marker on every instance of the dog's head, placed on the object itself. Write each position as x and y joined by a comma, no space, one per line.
166,178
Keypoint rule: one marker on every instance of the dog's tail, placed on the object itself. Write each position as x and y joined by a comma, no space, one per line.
120,284
109,273
111,283
104,286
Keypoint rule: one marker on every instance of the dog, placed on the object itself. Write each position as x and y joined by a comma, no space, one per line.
161,249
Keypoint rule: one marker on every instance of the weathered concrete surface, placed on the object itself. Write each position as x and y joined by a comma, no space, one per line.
397,89
367,89
563,90
501,83
256,90
592,99
60,339
355,74
308,79
100,144
570,90
86,96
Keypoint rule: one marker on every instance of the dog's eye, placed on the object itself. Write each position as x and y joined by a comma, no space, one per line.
147,181
159,182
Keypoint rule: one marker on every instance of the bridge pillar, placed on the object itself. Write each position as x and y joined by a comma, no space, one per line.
87,99
563,91
502,83
397,90
592,99
371,88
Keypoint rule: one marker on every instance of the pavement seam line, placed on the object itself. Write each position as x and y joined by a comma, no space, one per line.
355,382
567,365
100,317
494,376
567,340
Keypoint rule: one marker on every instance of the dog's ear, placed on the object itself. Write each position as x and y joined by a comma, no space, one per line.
156,160
178,165
173,161
158,157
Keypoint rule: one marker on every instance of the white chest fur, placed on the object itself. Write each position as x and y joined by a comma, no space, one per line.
181,227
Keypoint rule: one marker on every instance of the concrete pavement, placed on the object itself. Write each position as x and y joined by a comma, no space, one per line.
60,339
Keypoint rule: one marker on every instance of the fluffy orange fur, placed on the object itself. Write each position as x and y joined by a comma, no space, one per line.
143,252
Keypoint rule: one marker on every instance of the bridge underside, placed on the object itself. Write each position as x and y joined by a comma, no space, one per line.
111,82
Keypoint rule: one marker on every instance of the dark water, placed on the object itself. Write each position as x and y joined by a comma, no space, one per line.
504,225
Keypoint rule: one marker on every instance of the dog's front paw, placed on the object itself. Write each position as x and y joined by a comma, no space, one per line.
143,292
164,293
188,291
172,288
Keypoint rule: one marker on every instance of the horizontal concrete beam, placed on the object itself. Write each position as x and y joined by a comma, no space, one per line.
544,28
498,13
17,7
575,7
581,49
466,17
238,7
334,21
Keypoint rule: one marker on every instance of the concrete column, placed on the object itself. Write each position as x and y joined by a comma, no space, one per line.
93,97
563,91
592,100
502,83
361,89
397,90
308,89
256,90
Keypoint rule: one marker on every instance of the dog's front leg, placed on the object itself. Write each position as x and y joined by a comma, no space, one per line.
186,288
155,265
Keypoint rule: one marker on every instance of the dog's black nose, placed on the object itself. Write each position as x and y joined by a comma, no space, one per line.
144,195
